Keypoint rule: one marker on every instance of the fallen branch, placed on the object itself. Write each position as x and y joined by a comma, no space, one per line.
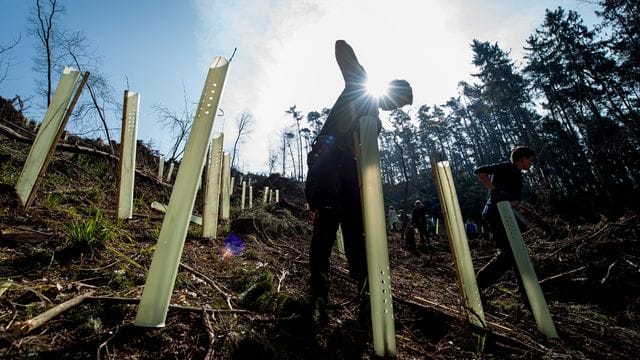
563,274
212,336
211,282
76,149
124,300
506,336
25,327
281,277
104,344
604,279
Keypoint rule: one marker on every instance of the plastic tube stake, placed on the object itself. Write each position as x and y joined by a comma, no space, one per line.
129,136
212,189
379,274
156,295
226,186
532,287
160,168
243,195
458,241
50,132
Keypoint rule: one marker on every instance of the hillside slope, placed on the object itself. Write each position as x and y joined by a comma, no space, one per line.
251,304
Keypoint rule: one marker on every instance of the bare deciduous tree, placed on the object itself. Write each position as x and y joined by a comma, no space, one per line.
287,137
272,160
42,25
297,116
179,122
58,48
243,126
5,58
100,91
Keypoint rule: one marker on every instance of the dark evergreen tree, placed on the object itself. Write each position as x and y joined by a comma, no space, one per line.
574,73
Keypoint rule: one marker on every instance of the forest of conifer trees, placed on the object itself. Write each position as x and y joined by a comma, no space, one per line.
574,99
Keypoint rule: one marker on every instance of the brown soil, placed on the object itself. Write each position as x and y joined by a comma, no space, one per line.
252,305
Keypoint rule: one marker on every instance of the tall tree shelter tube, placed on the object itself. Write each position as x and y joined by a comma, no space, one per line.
154,302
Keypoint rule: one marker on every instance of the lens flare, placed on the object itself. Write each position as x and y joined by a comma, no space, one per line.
233,246
377,88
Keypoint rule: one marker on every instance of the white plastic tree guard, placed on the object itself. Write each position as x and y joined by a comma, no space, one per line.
243,195
160,168
170,172
225,197
250,196
163,208
154,302
48,135
458,241
127,164
379,274
532,287
212,189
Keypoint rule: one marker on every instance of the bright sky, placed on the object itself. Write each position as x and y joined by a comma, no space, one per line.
285,52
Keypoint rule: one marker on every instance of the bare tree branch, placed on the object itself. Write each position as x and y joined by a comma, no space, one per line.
243,125
178,122
5,58
98,87
42,25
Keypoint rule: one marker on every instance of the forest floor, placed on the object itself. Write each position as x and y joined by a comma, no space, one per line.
251,304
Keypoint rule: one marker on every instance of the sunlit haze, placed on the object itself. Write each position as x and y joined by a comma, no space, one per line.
284,52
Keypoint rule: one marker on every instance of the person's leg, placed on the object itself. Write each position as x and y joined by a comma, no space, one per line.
410,238
324,236
492,271
354,244
424,240
351,218
355,249
509,262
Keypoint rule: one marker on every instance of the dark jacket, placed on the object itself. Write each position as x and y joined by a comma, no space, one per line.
332,177
507,179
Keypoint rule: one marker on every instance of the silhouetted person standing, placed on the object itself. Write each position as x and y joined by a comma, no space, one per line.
332,188
419,221
504,182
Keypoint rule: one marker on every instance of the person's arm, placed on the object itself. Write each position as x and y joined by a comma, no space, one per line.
352,71
484,179
345,112
483,173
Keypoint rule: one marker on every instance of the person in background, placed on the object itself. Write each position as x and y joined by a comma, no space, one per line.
471,228
404,223
393,219
332,189
419,222
504,183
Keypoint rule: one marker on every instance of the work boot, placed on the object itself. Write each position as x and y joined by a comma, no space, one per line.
319,315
